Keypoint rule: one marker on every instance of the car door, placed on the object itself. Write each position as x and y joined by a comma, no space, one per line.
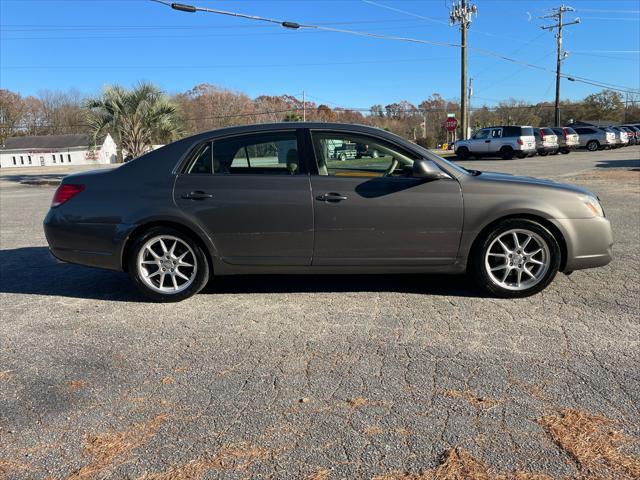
480,141
495,140
371,211
251,194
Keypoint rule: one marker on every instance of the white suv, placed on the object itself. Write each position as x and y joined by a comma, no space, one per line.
504,141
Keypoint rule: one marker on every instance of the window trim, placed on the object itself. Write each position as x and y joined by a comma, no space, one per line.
295,131
313,159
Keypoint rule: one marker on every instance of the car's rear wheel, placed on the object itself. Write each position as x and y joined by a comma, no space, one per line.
167,265
462,153
593,145
517,258
543,153
506,153
565,151
521,155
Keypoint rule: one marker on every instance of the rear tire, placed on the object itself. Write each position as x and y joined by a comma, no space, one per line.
543,153
593,145
565,151
167,265
506,153
516,258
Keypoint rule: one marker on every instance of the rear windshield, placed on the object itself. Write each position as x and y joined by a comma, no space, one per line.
569,130
548,131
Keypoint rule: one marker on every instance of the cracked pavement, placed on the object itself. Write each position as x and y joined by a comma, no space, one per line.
323,377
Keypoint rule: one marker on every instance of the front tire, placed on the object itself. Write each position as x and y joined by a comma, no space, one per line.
462,153
167,265
516,258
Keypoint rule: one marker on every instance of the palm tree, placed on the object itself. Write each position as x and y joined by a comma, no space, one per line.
136,118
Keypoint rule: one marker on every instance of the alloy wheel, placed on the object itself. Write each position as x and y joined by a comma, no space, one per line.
167,264
517,259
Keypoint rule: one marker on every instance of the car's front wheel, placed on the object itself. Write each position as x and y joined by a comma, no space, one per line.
516,258
462,153
167,265
593,145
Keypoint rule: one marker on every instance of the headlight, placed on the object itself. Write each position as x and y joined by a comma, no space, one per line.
592,204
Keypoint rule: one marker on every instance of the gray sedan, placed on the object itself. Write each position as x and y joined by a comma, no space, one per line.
273,198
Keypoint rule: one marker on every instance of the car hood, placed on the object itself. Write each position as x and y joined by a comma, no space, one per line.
521,180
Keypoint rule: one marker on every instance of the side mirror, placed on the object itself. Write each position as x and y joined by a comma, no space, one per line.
428,170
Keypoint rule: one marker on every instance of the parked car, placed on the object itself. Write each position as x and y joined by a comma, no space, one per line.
363,150
636,130
568,139
631,134
504,141
593,138
221,203
546,141
621,139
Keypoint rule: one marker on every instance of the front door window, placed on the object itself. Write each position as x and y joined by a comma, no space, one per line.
352,155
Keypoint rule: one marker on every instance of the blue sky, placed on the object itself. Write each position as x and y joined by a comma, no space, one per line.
58,45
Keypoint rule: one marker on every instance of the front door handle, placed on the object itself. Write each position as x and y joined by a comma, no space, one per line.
331,197
487,141
197,195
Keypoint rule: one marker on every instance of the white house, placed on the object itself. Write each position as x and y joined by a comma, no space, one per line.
52,150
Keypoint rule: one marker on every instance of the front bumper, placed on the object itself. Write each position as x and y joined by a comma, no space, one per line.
589,242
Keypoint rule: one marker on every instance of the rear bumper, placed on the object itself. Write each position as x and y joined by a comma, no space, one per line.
92,244
589,242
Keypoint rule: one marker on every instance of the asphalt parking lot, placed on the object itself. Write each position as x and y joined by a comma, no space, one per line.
389,377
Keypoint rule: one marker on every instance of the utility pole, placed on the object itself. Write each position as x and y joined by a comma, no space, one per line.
469,102
557,14
461,12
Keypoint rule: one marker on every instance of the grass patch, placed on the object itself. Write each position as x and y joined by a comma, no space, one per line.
112,448
238,457
594,444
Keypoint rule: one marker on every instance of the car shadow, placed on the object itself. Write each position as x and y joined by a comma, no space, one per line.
634,164
34,271
441,285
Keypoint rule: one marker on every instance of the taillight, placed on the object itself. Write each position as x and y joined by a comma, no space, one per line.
564,133
64,193
541,134
519,141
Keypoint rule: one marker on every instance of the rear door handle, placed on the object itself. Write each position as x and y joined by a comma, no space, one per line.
487,141
331,197
197,195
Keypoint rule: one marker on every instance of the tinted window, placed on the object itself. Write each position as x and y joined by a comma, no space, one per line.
569,130
268,153
547,131
352,155
496,133
202,161
526,132
511,132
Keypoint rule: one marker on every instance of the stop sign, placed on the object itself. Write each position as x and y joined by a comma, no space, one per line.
451,124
